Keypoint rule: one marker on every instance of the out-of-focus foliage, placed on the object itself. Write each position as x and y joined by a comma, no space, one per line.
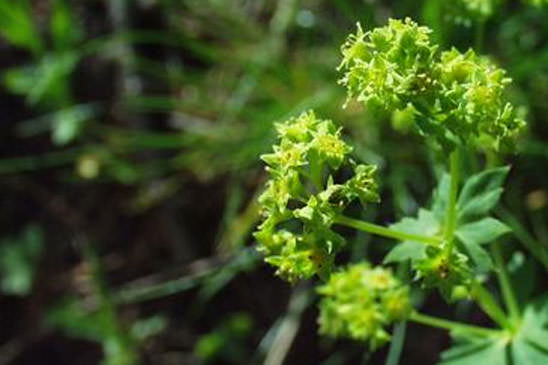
19,257
134,127
224,342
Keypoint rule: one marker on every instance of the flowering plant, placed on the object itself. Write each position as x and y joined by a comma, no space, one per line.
457,102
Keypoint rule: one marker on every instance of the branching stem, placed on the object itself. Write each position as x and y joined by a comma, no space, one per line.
489,305
510,300
385,232
451,214
452,325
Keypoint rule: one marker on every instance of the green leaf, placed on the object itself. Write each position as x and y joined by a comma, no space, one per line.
65,31
18,260
530,346
17,25
479,256
480,193
527,347
474,352
405,251
479,206
426,224
482,231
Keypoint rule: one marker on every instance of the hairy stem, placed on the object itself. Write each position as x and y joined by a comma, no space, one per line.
383,231
451,214
510,300
451,325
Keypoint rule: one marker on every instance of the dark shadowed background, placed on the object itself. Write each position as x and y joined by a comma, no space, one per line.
129,169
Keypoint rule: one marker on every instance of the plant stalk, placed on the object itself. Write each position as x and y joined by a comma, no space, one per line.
385,232
510,300
451,214
489,305
452,325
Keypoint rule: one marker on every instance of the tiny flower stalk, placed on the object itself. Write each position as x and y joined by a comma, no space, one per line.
451,215
452,326
386,232
508,295
489,305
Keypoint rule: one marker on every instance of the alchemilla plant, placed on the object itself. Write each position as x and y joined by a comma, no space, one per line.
457,101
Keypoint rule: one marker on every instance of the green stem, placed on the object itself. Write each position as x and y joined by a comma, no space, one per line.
479,36
316,175
451,325
383,231
396,344
507,292
451,214
489,305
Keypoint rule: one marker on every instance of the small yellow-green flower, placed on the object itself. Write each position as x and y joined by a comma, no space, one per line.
451,97
360,301
301,199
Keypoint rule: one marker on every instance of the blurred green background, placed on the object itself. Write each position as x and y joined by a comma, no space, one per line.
129,171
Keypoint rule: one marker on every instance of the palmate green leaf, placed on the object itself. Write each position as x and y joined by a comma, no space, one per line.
407,250
527,347
528,353
479,256
480,205
483,231
481,193
425,224
475,351
530,346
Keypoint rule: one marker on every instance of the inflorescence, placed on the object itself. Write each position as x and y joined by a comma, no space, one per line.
302,198
456,98
360,301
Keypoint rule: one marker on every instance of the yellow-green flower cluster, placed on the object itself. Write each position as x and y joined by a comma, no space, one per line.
360,302
387,66
471,100
456,98
302,199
